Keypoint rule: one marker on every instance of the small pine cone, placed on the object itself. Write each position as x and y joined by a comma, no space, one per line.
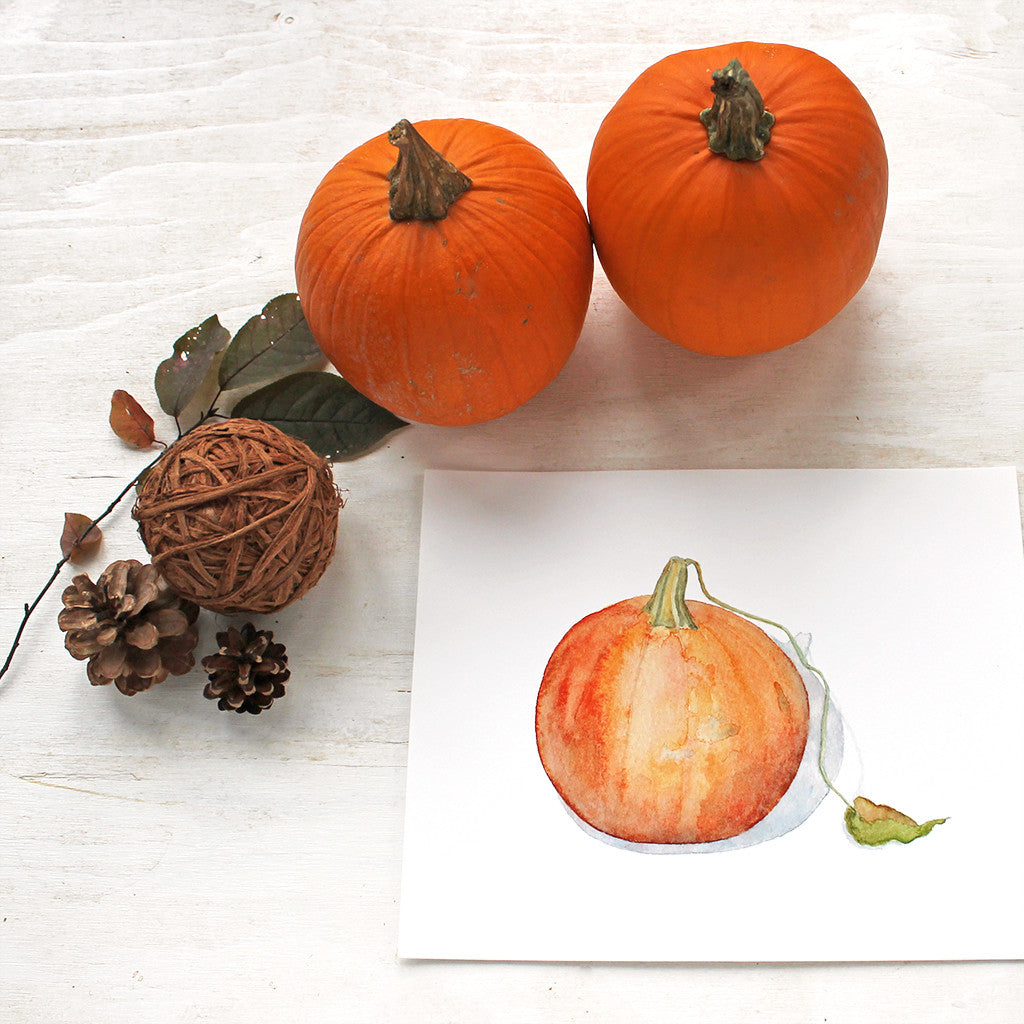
248,672
133,629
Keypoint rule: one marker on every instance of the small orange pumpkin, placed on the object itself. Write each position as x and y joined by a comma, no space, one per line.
737,194
449,285
665,721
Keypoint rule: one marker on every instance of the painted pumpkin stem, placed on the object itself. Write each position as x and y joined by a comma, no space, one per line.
738,125
667,605
423,183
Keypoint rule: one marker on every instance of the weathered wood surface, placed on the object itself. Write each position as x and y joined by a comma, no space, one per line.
160,861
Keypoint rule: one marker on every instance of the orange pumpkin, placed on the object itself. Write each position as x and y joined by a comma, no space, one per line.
737,195
449,285
665,721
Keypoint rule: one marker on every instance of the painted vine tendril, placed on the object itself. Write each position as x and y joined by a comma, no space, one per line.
800,653
868,823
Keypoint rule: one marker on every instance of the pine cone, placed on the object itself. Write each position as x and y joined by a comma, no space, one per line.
248,672
133,629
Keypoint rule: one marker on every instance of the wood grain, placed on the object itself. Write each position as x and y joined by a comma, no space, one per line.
165,862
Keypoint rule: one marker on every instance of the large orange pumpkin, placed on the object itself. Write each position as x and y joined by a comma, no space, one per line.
447,281
665,721
737,194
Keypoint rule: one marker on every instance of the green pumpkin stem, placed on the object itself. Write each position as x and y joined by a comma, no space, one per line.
738,125
423,183
667,605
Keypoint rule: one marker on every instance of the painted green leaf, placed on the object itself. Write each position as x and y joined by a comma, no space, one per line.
873,824
181,374
275,342
323,410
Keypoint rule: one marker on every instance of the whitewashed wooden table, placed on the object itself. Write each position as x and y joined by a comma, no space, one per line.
162,861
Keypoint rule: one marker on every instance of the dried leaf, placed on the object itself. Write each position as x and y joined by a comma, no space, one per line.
181,374
275,342
80,538
873,824
323,410
130,421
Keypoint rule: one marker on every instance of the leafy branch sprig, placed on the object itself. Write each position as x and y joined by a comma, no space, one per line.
273,352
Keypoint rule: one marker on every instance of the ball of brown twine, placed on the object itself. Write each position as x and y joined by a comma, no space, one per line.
239,517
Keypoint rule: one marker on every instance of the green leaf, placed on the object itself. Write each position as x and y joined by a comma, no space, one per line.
873,824
275,342
323,410
180,375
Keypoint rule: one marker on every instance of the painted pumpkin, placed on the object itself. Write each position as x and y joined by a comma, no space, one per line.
449,283
665,721
737,195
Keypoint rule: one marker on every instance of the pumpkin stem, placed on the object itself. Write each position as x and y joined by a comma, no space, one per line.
738,125
423,183
667,605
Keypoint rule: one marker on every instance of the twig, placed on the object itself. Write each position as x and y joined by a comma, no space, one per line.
30,608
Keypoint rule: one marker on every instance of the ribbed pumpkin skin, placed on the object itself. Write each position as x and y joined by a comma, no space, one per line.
657,735
452,321
737,257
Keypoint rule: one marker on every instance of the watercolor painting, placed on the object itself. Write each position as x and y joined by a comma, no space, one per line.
590,778
671,724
